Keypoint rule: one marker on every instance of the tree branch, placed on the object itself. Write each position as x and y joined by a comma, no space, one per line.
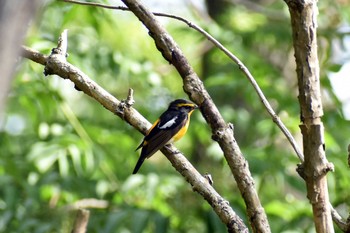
304,26
56,64
344,225
81,221
34,55
87,203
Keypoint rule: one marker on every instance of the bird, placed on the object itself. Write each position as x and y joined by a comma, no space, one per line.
168,128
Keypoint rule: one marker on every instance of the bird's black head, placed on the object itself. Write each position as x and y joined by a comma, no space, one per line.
181,104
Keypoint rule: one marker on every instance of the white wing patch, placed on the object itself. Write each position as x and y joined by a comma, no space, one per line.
169,123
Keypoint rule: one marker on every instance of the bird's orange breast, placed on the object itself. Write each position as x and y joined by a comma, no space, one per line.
182,131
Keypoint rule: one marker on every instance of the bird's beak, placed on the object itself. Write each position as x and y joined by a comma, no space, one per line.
195,106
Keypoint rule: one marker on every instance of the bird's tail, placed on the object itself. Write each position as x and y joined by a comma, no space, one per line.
138,165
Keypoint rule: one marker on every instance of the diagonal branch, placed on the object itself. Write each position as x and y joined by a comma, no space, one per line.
56,64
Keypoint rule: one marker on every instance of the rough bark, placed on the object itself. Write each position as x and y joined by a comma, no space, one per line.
314,169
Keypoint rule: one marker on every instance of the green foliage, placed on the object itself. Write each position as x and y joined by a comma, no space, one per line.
59,146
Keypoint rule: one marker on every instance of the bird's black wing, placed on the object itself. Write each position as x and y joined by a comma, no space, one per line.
160,134
169,124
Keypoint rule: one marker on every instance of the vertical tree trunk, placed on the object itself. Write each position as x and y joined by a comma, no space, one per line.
314,170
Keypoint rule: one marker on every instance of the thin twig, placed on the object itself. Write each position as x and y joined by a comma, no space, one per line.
242,67
62,44
341,223
123,8
34,55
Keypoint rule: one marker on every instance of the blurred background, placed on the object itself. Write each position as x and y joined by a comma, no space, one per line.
59,147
